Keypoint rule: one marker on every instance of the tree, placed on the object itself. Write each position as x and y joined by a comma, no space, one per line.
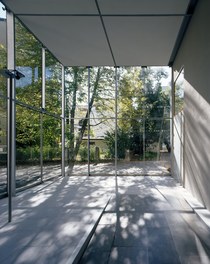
79,110
143,107
158,105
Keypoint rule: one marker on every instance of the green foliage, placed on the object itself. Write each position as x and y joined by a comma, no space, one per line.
101,102
83,154
28,49
143,110
28,93
3,65
27,127
142,103
123,143
3,54
31,155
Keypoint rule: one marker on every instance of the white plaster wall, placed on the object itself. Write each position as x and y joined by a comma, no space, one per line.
194,55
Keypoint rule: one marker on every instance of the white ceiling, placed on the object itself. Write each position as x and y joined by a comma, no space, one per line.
105,32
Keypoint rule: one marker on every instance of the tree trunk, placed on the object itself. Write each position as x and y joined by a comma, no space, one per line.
85,120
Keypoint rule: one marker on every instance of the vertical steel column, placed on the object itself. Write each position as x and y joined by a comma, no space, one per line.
41,145
11,133
116,152
88,143
183,151
116,116
43,76
42,109
172,113
63,123
144,138
183,140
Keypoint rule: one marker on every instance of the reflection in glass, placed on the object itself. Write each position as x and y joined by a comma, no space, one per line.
3,145
51,147
53,85
28,61
3,106
27,147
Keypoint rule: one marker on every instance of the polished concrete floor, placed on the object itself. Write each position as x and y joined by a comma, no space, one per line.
124,219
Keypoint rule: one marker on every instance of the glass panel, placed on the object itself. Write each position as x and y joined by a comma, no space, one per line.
28,61
140,97
3,105
78,149
28,146
102,92
53,90
129,147
51,147
179,93
102,144
143,108
76,88
3,144
157,138
66,145
130,94
102,120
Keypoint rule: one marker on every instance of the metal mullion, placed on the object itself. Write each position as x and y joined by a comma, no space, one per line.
36,109
43,76
41,146
172,114
42,109
88,143
63,123
116,112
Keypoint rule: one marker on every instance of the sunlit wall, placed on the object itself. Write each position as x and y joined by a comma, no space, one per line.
194,55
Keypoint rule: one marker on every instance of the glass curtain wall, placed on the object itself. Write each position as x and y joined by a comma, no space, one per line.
38,128
102,120
143,122
3,106
28,101
76,89
142,117
51,121
90,115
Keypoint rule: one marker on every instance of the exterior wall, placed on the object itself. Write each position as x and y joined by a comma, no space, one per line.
194,55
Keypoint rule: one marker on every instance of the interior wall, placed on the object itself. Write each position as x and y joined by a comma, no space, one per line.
194,55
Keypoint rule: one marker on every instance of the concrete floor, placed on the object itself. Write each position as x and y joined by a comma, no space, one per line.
142,219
